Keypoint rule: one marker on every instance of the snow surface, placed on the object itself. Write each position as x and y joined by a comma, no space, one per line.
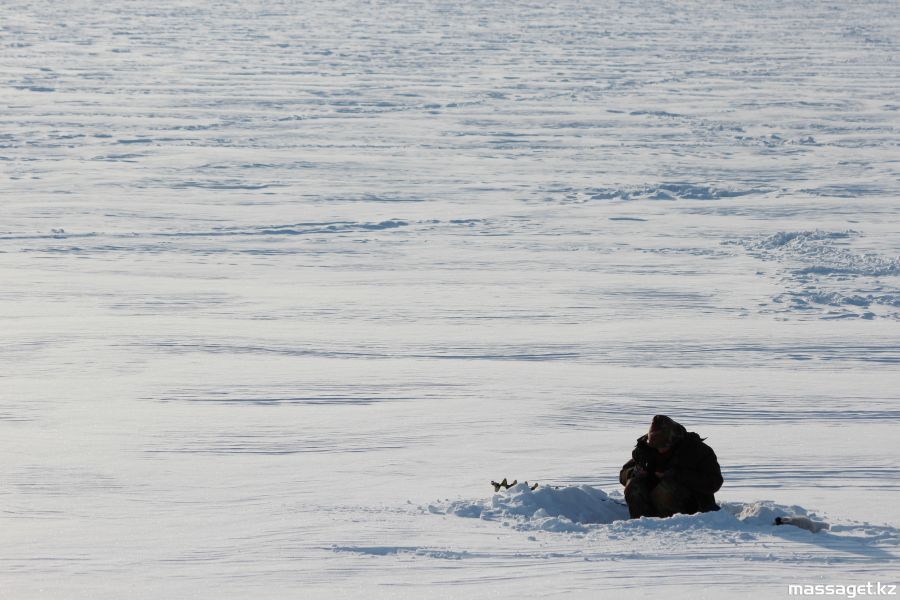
285,285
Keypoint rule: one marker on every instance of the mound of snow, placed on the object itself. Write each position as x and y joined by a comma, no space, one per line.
733,516
579,509
762,513
549,509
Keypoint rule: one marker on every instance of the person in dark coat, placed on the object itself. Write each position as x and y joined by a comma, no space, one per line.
671,471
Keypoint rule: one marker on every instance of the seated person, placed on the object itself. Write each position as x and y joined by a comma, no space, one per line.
671,471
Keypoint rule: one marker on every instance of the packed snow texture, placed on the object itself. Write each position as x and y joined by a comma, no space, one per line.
827,272
286,284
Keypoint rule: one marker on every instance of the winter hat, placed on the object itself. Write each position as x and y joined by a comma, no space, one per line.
664,432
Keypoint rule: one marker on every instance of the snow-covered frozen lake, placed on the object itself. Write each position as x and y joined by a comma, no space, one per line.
284,285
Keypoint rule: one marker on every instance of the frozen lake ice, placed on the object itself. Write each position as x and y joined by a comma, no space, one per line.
286,284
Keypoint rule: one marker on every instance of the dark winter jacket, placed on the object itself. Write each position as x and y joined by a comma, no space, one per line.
690,462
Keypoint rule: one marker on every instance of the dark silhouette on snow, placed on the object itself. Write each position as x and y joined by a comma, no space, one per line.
671,471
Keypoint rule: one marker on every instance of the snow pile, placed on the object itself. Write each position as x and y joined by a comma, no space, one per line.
566,509
734,521
579,509
763,512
